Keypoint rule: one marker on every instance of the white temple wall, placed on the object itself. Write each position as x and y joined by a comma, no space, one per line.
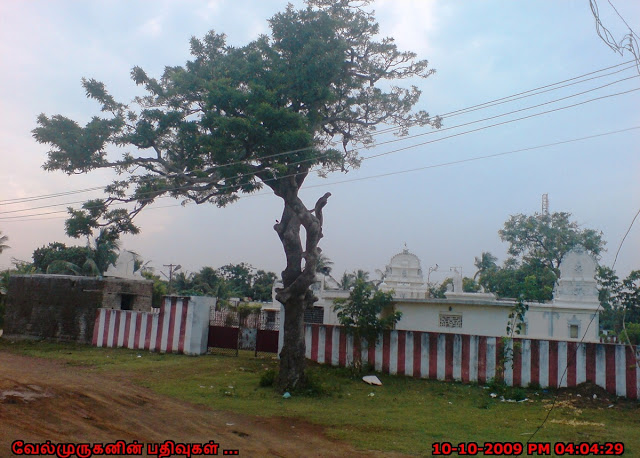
487,320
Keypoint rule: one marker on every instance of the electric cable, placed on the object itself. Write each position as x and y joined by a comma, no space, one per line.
444,164
449,114
375,155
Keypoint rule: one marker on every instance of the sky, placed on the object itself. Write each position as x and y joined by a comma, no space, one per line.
447,213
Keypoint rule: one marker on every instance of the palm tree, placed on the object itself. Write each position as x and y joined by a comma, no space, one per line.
485,262
105,249
361,275
3,240
347,281
323,265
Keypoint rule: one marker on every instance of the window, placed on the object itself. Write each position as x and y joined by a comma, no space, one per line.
271,317
126,301
314,315
450,321
573,331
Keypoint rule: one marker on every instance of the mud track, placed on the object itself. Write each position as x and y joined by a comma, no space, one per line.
44,400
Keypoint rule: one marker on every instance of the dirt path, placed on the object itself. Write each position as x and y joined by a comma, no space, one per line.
44,400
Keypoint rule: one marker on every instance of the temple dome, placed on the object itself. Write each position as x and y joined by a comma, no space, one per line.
404,275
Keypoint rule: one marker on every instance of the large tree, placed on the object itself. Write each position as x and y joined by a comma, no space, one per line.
235,119
548,237
537,244
620,299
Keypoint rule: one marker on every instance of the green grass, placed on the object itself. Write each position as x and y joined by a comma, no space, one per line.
405,414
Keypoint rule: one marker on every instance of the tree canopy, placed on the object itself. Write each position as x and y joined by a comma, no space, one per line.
232,120
620,300
366,313
548,237
231,280
537,244
93,259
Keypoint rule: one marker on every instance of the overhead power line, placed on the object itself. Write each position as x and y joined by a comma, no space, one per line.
433,166
379,154
593,317
513,97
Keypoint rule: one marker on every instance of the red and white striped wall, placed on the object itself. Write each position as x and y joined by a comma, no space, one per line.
180,326
465,358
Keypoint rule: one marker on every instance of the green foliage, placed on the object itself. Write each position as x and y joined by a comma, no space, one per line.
469,285
231,280
267,378
547,238
366,313
320,76
160,288
346,281
3,242
631,334
620,300
262,285
91,260
516,317
349,279
234,119
238,278
60,267
246,309
44,256
486,262
438,291
531,280
399,418
537,244
323,265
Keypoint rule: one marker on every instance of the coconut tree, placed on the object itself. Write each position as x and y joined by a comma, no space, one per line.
3,244
324,264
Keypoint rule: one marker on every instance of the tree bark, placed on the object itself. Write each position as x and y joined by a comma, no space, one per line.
297,279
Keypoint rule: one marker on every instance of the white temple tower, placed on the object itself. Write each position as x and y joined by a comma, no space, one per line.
403,275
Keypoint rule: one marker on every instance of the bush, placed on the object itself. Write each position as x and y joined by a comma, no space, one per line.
268,378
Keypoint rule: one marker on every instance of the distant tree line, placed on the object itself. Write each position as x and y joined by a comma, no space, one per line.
231,280
537,244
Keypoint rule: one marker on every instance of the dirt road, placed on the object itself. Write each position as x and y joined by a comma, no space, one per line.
44,400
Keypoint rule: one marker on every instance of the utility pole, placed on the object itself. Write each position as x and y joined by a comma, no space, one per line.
172,269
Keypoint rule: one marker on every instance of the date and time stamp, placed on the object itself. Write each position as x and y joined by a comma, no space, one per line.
530,448
170,448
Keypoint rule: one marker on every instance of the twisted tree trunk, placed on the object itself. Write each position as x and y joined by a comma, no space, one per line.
297,279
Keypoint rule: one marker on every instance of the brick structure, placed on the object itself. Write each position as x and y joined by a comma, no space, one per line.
64,307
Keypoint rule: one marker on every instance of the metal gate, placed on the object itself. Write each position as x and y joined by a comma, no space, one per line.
230,332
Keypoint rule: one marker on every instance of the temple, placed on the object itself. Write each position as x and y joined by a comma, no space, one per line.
571,315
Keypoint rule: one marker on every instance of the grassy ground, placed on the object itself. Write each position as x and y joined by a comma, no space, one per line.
405,414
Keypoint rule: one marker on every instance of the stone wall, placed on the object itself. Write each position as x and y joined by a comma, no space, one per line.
140,291
64,307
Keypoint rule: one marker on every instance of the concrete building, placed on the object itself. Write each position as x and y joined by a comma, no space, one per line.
64,306
571,314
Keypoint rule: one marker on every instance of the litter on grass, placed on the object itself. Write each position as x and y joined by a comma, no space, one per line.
372,380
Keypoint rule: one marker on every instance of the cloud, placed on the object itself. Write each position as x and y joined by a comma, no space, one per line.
152,28
410,22
211,9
